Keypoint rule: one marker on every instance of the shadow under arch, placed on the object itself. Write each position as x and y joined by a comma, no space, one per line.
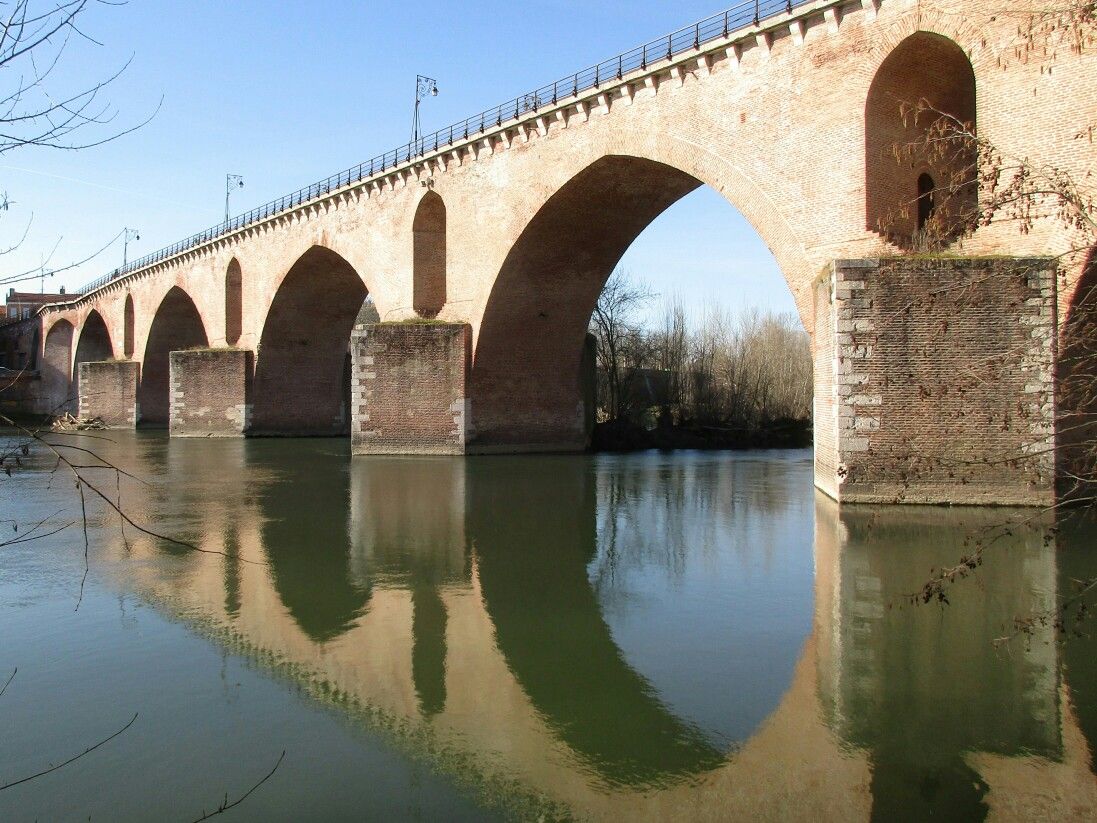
302,366
177,325
93,345
1076,390
550,629
56,368
526,383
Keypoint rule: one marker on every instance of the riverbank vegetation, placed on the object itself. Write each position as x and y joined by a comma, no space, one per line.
725,380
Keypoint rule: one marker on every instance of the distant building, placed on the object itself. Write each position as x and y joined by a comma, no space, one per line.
22,304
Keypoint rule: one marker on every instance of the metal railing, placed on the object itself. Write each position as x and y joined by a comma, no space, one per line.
690,38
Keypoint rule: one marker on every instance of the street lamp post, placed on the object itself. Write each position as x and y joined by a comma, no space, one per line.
232,181
127,235
424,87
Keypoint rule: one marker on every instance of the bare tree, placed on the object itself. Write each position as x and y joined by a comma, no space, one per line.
616,331
725,379
37,110
34,38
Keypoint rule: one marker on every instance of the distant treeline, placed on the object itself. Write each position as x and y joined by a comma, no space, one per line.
729,380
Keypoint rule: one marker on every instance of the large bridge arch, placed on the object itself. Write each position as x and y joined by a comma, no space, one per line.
525,380
175,326
93,344
302,367
57,368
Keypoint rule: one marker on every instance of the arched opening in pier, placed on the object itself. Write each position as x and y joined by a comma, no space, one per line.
234,303
429,255
1076,401
534,385
56,369
920,161
302,368
128,345
176,326
92,346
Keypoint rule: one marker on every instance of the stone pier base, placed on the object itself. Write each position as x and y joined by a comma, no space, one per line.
408,388
934,381
210,392
108,391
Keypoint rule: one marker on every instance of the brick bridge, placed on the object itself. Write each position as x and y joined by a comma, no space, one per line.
483,249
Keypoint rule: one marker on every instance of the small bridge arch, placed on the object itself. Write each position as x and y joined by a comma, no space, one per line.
912,187
429,255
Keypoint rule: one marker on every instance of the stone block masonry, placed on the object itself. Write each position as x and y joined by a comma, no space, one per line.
210,392
108,391
942,381
408,388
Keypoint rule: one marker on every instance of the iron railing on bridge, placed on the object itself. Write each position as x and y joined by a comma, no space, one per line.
751,12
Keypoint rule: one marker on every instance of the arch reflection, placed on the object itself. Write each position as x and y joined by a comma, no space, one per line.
501,604
306,543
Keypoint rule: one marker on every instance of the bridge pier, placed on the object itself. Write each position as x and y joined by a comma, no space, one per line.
408,387
108,391
210,392
934,381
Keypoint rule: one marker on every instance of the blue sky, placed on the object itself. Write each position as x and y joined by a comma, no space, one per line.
287,93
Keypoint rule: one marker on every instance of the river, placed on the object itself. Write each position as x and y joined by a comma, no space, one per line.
654,636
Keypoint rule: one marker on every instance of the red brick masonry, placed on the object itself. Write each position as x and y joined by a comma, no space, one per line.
408,388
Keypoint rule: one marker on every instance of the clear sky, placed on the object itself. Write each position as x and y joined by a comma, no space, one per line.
287,93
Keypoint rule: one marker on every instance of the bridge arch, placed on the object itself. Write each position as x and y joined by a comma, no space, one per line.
94,344
302,367
525,380
916,192
234,302
57,368
429,255
177,325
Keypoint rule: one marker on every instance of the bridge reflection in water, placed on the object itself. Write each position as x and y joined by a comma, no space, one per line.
637,636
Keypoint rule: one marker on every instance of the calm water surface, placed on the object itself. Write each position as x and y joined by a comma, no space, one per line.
691,636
